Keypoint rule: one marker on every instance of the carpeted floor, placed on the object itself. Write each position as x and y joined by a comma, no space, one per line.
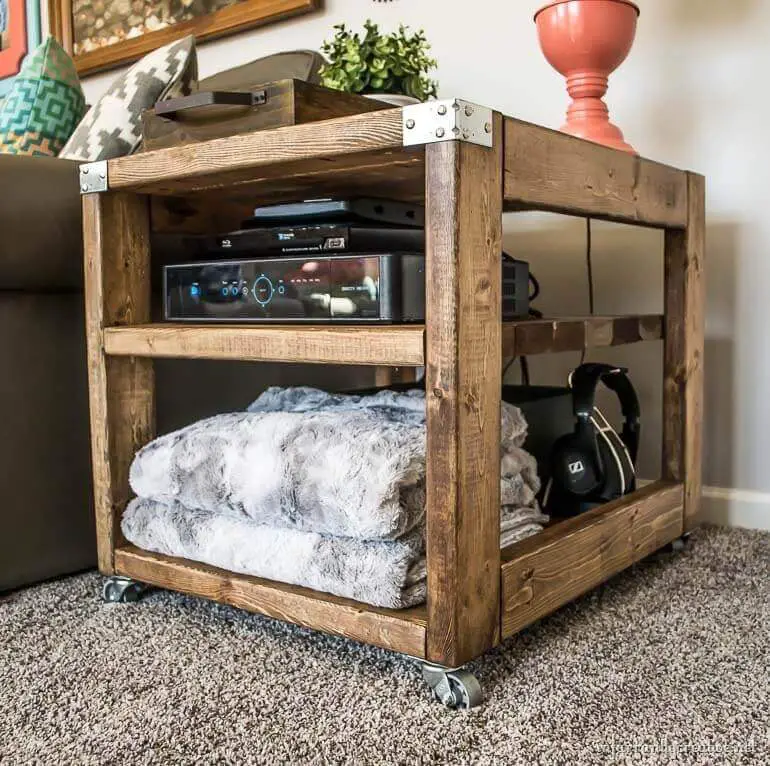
669,663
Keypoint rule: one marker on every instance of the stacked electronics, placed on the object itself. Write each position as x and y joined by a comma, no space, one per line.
344,261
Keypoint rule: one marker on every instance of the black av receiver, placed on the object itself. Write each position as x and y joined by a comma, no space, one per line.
354,288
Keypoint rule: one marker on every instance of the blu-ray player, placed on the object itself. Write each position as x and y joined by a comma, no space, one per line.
375,287
324,238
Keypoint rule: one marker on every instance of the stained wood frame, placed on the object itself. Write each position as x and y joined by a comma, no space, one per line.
477,594
227,21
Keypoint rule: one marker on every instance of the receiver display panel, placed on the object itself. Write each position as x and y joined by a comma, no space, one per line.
279,289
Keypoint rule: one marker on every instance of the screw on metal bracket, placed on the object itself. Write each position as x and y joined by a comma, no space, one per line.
449,120
93,177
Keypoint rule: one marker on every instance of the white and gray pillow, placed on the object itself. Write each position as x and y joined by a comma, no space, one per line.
113,126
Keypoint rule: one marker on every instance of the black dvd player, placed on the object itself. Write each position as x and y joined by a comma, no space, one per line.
357,288
325,238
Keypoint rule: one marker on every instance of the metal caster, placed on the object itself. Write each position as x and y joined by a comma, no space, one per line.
457,689
122,590
678,545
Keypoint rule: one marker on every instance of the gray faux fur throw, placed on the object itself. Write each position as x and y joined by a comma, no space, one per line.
331,464
389,573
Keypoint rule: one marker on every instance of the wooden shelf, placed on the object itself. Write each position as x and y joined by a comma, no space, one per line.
538,574
362,146
543,169
543,572
396,345
400,630
541,336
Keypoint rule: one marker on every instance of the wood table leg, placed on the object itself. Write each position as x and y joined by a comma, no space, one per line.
463,381
121,389
683,368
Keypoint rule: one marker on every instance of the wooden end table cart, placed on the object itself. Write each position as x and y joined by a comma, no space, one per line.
468,165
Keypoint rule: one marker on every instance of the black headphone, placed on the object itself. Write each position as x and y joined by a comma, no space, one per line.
593,464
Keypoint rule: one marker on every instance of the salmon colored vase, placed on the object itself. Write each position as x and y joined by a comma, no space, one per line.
587,40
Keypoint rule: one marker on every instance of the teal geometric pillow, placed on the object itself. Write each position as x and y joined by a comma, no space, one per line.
45,104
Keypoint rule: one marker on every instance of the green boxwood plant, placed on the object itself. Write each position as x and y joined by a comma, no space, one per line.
394,63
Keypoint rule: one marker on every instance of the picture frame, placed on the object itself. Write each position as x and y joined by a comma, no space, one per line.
237,16
22,35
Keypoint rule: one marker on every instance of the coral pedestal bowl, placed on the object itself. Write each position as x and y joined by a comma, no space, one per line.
585,41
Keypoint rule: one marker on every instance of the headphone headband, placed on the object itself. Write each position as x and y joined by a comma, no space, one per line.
584,380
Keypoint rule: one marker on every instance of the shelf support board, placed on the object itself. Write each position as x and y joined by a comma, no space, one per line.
398,630
395,345
546,571
552,171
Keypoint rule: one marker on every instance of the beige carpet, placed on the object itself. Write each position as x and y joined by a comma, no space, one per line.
669,663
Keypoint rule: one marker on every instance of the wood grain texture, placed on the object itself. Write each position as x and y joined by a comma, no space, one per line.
549,170
223,162
540,336
289,102
683,358
397,630
546,571
242,15
395,345
463,193
121,391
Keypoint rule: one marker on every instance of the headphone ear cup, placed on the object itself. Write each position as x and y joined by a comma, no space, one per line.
574,467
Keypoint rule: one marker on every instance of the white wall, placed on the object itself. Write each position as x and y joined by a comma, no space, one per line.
691,94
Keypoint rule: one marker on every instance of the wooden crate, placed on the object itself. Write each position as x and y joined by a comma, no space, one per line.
284,102
477,594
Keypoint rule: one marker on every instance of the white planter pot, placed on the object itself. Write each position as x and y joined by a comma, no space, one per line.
393,98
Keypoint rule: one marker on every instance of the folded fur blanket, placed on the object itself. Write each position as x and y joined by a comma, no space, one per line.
389,573
303,459
321,490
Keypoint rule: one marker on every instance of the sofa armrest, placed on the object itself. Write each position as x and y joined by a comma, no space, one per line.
41,239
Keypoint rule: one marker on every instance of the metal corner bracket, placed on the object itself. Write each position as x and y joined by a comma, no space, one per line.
450,120
93,177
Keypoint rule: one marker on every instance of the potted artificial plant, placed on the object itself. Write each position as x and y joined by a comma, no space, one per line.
392,68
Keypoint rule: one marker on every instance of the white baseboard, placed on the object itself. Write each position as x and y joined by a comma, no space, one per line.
732,507
736,507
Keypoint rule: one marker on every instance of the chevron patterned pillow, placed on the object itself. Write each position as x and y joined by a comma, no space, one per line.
45,103
113,126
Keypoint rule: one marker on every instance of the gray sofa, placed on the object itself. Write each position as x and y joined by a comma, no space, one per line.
46,522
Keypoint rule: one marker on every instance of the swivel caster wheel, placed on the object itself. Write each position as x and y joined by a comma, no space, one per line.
122,590
678,545
457,689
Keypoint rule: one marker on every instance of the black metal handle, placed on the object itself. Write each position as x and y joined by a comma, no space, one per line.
210,98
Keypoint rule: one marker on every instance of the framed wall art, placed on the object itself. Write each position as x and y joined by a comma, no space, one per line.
100,34
19,34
